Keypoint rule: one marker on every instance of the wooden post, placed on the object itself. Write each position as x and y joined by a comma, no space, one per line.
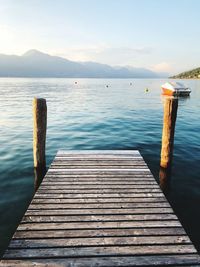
39,174
39,132
164,179
169,121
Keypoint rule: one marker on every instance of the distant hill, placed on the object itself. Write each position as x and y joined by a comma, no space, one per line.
191,74
37,64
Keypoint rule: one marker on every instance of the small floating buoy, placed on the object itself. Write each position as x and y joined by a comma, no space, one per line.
75,82
147,90
130,83
107,86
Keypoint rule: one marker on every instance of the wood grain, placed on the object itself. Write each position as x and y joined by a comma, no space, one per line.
100,208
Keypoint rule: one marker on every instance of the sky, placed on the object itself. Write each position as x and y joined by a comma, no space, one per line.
161,35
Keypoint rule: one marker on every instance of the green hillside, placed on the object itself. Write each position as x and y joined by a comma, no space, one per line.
192,74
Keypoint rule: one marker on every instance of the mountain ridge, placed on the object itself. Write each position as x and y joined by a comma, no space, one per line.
34,63
191,74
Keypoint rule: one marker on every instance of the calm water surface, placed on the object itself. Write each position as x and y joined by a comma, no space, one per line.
89,115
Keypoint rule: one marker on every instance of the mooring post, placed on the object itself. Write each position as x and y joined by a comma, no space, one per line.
39,174
169,122
39,132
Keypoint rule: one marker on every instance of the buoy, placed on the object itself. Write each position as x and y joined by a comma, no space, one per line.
147,90
130,83
107,86
75,82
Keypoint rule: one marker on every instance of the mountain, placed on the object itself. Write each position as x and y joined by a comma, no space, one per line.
37,64
191,74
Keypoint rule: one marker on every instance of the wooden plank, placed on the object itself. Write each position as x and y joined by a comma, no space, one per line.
52,186
90,176
93,175
122,171
46,204
100,251
97,225
98,190
99,157
117,261
106,184
69,184
95,193
98,174
122,180
101,211
92,158
119,213
98,163
93,161
57,168
136,178
100,241
90,218
111,200
65,194
97,152
169,231
63,167
96,182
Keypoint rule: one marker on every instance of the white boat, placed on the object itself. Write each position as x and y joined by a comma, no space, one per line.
175,89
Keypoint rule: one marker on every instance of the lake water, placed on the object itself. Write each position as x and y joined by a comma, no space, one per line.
89,115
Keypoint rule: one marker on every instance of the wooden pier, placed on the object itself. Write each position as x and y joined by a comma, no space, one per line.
100,208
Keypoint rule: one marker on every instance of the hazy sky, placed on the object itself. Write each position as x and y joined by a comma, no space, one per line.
163,35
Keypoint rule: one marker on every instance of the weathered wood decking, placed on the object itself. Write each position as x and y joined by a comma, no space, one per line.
100,208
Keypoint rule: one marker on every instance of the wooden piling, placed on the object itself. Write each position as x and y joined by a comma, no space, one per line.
39,174
169,121
164,179
39,132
